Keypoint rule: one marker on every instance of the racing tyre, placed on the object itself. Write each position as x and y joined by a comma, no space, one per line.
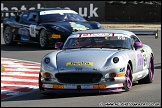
150,77
40,86
40,83
128,76
8,36
43,39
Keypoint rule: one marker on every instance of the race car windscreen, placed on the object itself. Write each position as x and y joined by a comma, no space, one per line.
98,42
62,17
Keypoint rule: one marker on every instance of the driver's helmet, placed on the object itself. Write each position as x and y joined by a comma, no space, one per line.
84,41
63,17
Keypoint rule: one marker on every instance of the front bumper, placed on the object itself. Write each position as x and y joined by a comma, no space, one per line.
105,85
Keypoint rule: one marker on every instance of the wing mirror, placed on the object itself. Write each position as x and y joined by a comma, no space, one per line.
138,45
58,45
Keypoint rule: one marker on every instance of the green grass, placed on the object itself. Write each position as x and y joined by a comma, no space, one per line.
2,68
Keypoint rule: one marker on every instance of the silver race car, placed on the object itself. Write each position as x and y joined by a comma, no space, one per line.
96,61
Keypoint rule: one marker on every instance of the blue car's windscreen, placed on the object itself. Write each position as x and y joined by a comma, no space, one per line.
62,17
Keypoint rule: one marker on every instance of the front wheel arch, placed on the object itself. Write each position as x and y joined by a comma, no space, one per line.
150,77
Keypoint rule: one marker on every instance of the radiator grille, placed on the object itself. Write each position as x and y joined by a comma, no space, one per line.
78,78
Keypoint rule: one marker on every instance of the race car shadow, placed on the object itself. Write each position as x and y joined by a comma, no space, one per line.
23,47
157,66
71,95
39,96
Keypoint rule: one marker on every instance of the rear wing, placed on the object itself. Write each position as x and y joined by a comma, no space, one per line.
150,32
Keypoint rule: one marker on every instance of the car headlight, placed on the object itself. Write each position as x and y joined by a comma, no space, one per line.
99,25
58,28
47,60
115,59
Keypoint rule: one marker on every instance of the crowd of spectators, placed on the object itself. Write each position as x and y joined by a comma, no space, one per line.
135,2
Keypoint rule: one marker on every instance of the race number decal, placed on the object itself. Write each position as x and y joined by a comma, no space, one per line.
32,30
140,59
145,59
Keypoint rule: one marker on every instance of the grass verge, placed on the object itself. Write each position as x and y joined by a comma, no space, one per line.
2,68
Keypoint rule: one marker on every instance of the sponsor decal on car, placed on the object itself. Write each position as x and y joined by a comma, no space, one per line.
142,51
106,35
140,59
78,69
94,34
79,64
121,37
77,26
56,36
122,69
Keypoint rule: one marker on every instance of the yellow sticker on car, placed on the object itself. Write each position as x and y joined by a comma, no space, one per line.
79,64
56,36
120,74
77,26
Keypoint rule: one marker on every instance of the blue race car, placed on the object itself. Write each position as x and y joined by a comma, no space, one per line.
44,26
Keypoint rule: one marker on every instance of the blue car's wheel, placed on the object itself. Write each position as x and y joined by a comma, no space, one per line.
128,76
43,39
150,77
8,36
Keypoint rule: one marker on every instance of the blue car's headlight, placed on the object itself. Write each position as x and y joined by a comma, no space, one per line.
115,59
58,28
47,60
99,25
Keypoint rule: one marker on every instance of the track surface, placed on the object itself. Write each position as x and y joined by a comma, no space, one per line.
141,94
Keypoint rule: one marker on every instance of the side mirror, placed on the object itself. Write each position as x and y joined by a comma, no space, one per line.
58,45
138,45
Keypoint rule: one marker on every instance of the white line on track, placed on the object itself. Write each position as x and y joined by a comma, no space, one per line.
29,86
18,73
20,69
15,79
10,66
16,60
